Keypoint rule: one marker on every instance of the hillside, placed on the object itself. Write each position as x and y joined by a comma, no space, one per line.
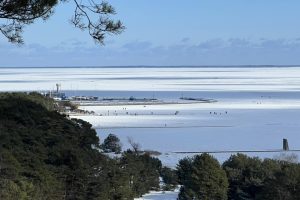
44,155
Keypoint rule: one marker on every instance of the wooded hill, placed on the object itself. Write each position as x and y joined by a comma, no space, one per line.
45,155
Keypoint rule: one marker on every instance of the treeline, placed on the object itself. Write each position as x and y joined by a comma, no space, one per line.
46,156
239,178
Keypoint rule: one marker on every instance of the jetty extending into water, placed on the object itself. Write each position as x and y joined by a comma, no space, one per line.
60,96
285,148
138,101
202,100
238,151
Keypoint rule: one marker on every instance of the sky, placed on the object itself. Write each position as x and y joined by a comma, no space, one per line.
168,33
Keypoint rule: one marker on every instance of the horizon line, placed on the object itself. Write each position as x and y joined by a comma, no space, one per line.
155,66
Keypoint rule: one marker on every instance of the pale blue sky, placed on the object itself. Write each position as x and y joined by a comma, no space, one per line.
169,32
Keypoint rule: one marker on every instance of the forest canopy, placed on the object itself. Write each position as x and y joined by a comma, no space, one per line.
45,155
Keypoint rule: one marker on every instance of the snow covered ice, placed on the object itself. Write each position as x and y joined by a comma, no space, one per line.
256,106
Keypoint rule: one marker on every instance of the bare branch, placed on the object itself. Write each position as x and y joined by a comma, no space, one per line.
135,146
95,19
91,16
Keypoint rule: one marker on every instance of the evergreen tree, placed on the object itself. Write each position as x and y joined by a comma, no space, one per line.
143,171
284,184
251,178
205,179
112,144
169,178
246,176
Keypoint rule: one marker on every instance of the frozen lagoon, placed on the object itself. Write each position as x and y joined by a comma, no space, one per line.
262,105
238,125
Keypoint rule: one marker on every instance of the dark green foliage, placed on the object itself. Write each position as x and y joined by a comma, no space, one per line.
169,177
252,178
246,176
44,155
284,184
143,171
42,149
34,97
111,144
202,178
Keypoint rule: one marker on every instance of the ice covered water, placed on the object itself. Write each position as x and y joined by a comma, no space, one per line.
153,79
256,106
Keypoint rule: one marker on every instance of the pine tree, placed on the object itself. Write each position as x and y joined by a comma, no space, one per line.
112,144
202,179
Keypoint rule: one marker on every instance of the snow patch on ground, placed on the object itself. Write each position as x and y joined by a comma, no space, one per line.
165,195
